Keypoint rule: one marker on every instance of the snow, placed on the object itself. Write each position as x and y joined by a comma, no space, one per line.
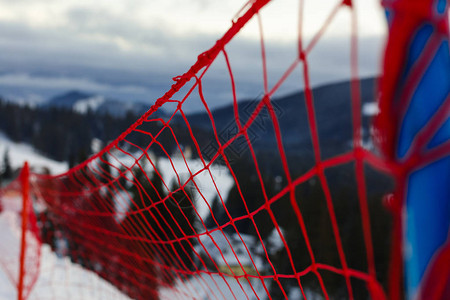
82,106
274,241
370,109
204,286
223,254
208,181
21,152
96,145
214,286
122,203
58,278
296,293
9,253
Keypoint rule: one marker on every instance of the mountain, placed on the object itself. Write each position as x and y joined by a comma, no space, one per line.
67,100
333,111
332,105
83,103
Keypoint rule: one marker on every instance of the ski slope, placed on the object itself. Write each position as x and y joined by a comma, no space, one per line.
58,278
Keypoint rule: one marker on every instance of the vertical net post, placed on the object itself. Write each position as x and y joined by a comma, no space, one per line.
25,193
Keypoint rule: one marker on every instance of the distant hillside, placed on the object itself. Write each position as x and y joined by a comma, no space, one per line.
83,102
332,104
61,133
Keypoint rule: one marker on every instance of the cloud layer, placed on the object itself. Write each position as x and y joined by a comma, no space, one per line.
133,48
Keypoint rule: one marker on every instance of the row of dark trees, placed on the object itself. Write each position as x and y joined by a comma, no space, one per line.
59,133
66,135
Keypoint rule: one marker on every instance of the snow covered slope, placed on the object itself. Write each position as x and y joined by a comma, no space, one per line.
84,105
20,152
209,182
58,277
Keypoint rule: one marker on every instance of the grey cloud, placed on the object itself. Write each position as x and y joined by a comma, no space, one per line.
87,49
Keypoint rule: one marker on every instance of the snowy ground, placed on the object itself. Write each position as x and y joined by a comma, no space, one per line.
209,182
58,278
205,186
20,152
204,286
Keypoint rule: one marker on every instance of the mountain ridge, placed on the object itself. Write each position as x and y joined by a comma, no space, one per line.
83,102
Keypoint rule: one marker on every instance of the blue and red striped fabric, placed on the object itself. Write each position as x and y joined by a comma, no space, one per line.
415,119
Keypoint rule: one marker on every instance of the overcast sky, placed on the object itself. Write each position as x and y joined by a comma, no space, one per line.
130,49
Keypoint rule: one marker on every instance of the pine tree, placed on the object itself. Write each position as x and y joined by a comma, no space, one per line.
7,170
105,168
179,210
217,212
82,155
141,224
71,160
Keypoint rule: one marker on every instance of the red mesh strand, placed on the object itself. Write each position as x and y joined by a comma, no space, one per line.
117,217
20,246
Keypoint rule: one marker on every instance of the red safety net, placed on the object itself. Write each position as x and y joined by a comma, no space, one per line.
171,209
20,246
